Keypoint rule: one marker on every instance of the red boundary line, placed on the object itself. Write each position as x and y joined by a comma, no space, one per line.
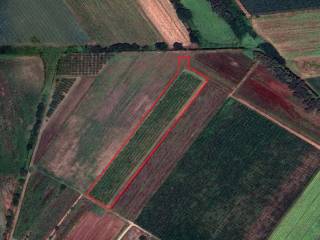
129,182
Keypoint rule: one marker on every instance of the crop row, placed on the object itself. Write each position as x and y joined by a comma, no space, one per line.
81,64
146,136
62,87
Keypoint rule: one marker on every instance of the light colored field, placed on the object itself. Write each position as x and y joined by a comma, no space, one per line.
114,21
214,31
44,21
302,222
162,14
296,36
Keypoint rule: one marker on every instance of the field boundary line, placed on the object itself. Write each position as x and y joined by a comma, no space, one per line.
64,217
124,187
124,232
243,9
134,130
244,79
272,119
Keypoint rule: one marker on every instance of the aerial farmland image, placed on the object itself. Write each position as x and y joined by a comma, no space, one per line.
160,120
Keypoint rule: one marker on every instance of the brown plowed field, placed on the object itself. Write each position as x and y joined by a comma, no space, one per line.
86,222
274,98
308,66
295,35
163,16
232,66
164,160
62,113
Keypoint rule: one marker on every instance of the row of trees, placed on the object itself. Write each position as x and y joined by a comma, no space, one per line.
300,88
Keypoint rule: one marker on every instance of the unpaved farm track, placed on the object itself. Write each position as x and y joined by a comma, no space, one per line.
163,16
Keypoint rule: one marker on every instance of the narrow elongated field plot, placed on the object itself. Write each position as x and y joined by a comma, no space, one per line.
45,203
21,82
302,222
231,173
273,97
109,21
132,155
39,21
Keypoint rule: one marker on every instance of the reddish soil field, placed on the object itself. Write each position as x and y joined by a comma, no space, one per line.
284,197
232,65
275,99
135,233
61,114
176,144
87,222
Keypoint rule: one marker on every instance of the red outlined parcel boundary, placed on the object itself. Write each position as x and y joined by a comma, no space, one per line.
182,60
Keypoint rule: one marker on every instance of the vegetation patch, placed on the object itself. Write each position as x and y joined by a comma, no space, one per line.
21,83
303,219
221,185
207,27
44,204
315,84
133,154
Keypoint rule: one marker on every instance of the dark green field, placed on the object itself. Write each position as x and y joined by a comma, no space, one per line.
231,171
146,136
45,203
315,84
272,6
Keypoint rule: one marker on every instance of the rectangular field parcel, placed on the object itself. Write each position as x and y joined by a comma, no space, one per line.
132,155
302,222
233,171
44,204
272,6
21,82
108,21
39,22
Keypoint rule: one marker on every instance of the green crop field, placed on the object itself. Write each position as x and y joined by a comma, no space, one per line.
39,22
113,21
44,204
219,188
214,31
302,222
146,136
21,82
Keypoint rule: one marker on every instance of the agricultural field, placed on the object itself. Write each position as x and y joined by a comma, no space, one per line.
147,135
92,130
314,83
108,21
295,35
86,221
302,222
34,22
44,204
83,64
62,86
241,173
21,82
213,30
273,97
262,7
